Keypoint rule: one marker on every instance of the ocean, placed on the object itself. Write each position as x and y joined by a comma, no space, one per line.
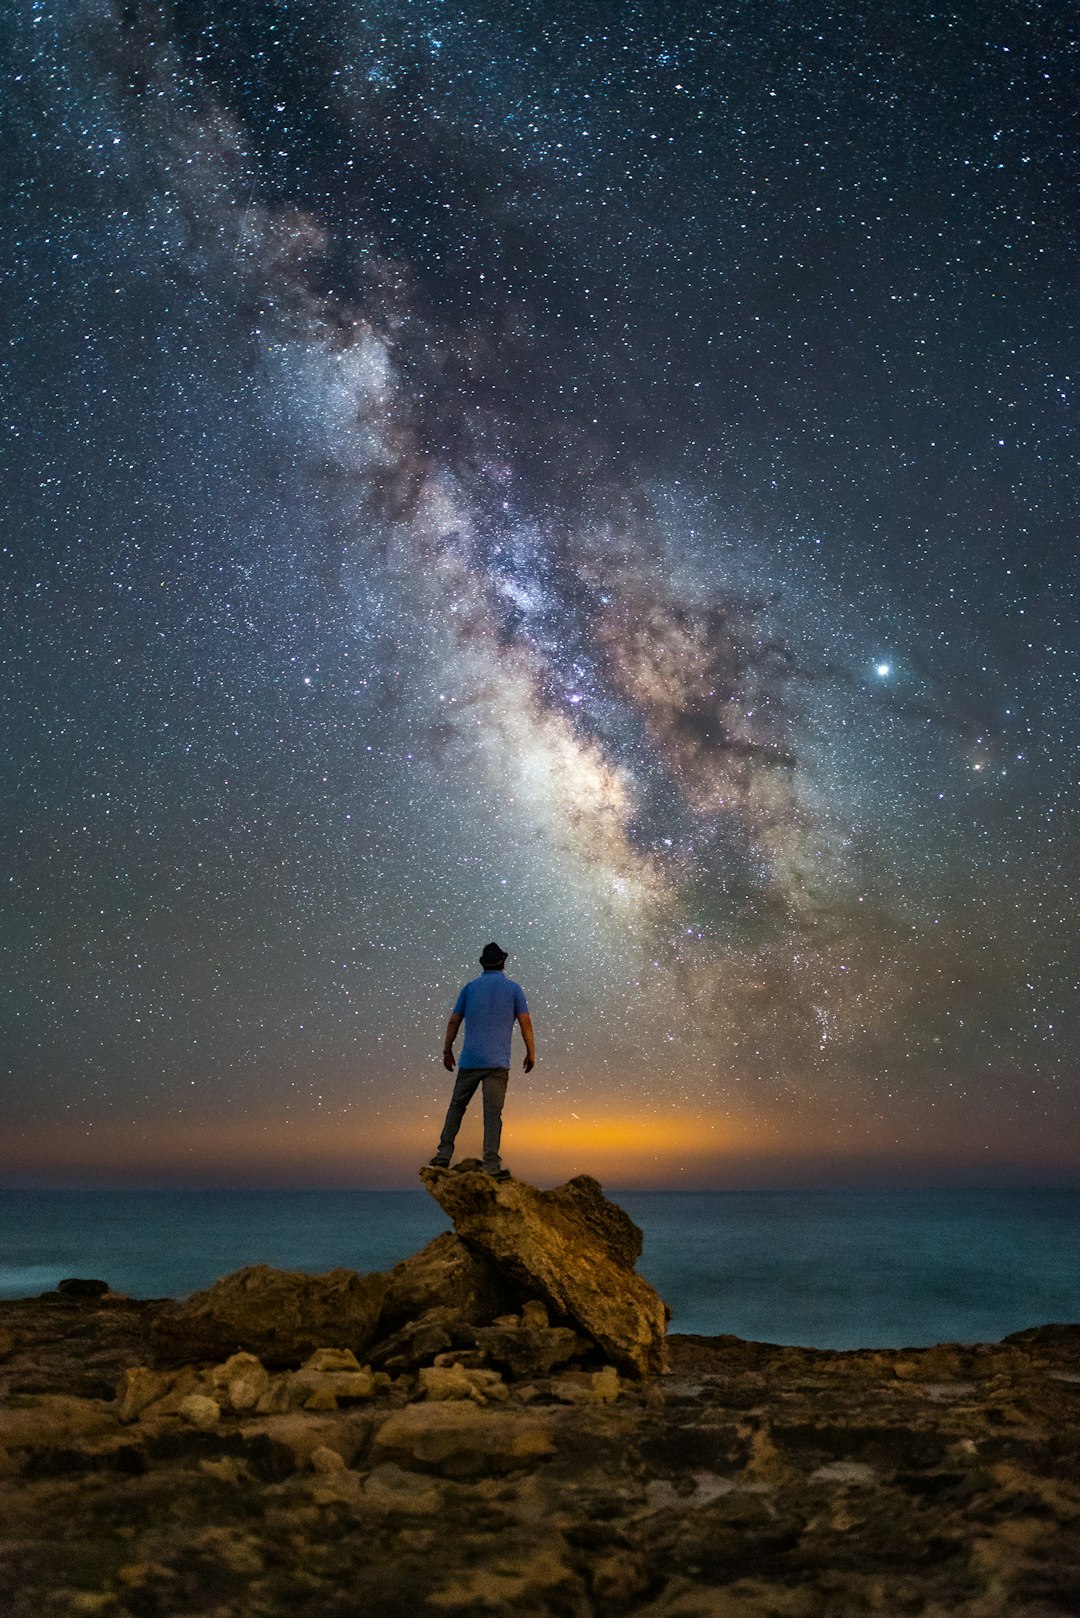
845,1269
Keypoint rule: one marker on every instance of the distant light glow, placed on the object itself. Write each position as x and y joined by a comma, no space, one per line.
882,669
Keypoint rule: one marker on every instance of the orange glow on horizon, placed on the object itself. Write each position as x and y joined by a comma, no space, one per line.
541,1143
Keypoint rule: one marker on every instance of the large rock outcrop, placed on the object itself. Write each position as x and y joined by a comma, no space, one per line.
280,1315
570,1247
443,1275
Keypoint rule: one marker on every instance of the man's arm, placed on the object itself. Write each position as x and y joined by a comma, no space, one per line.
452,1027
525,1022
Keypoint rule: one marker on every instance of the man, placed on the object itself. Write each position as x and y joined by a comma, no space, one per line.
489,1006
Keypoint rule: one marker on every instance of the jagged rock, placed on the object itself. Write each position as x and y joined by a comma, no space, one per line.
444,1274
463,1440
421,1340
569,1246
280,1315
139,1386
526,1345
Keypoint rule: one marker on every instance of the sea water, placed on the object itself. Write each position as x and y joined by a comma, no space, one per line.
842,1269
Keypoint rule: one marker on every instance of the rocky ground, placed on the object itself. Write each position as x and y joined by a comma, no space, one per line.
466,1462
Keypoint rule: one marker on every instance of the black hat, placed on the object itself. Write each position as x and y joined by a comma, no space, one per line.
493,956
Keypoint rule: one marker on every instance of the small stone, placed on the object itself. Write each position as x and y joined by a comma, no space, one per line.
274,1399
306,1385
202,1412
325,1459
331,1359
240,1381
456,1382
588,1387
534,1315
7,1344
139,1387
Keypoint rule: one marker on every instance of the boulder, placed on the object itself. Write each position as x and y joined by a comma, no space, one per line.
281,1316
569,1246
78,1287
443,1275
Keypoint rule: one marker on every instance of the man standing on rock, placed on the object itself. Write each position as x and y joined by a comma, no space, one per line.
488,1006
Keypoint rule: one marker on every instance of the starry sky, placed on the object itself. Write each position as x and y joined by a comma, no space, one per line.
599,477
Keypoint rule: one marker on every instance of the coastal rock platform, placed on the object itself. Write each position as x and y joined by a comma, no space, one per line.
523,1473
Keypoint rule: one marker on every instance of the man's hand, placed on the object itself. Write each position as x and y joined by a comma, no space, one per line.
525,1022
529,1063
451,1034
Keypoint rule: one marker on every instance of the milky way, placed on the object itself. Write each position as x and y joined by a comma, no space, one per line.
601,479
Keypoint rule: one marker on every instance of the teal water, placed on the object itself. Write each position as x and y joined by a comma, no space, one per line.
828,1269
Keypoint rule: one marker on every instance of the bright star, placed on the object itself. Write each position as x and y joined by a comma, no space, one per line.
883,669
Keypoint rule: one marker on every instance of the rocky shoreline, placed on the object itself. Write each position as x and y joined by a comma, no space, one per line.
500,1426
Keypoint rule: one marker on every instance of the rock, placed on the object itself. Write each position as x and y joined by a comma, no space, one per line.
74,1287
569,1246
321,1390
302,1434
240,1382
443,1275
325,1459
200,1411
139,1387
455,1382
7,1344
280,1315
53,1420
331,1359
588,1387
528,1350
433,1333
463,1440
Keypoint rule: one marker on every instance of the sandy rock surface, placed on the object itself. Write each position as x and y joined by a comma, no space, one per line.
750,1482
488,1456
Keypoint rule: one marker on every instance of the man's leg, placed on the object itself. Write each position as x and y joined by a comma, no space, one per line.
464,1089
495,1082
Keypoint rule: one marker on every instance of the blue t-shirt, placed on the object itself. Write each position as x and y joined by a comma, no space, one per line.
489,1005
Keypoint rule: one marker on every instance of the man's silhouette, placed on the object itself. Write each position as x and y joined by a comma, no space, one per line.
488,1006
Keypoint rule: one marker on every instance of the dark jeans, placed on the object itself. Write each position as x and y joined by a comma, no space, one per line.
469,1079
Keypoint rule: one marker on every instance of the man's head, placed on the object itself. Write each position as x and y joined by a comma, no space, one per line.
493,958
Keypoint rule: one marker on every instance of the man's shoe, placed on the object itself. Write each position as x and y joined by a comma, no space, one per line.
499,1174
438,1162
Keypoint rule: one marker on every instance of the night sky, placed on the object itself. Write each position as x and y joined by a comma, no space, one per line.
599,477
